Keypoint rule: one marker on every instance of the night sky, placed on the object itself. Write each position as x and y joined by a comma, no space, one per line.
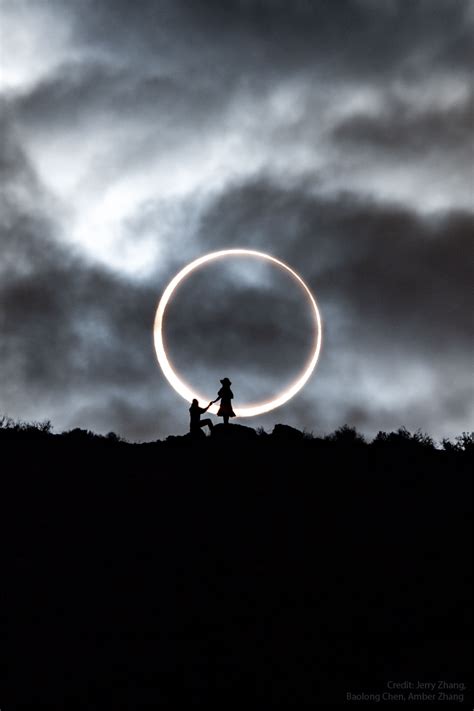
336,135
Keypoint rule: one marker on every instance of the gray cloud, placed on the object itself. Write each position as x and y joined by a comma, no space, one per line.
379,261
393,288
403,129
352,36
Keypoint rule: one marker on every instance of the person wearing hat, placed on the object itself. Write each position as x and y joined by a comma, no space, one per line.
225,395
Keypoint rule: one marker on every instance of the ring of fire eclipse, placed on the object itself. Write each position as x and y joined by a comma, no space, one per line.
181,387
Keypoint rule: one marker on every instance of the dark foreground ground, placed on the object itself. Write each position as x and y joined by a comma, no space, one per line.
237,569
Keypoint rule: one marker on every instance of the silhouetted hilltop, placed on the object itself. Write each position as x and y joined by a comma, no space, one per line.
343,438
243,566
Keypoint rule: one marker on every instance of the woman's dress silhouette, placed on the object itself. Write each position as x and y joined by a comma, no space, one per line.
225,395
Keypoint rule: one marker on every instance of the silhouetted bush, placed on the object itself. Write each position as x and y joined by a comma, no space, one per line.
78,434
403,439
13,429
113,437
346,436
462,443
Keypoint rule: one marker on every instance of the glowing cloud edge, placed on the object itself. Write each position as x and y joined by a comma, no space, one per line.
186,392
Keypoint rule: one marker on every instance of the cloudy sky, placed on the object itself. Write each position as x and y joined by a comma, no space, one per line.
336,135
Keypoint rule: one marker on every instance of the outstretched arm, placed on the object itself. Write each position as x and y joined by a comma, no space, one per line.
205,409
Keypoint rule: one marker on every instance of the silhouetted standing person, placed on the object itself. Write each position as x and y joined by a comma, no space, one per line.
225,395
196,423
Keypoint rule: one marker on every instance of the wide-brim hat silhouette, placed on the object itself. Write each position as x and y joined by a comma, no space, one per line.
226,381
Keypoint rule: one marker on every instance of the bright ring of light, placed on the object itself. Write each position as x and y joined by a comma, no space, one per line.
188,394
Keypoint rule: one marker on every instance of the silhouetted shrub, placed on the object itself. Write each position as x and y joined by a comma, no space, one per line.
346,436
462,443
403,439
113,437
78,434
6,422
11,428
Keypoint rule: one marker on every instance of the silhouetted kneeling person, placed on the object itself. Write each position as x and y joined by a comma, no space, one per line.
225,395
196,423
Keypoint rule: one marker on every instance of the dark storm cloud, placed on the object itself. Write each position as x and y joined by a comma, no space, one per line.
352,36
392,285
68,327
178,57
381,263
334,135
401,128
